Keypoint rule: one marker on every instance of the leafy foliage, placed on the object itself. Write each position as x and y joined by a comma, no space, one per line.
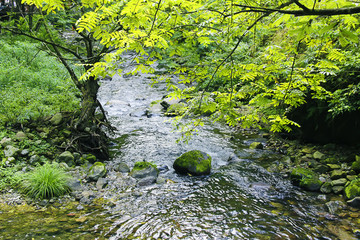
10,176
245,62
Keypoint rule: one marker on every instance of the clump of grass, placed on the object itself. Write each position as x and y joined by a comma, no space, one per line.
46,181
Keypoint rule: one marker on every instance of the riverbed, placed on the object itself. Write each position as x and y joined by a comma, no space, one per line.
240,199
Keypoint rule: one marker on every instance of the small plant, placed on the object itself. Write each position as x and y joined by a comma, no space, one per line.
46,181
9,176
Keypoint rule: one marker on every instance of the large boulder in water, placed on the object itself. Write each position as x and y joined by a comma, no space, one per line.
194,162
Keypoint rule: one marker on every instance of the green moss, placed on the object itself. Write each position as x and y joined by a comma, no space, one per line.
90,158
353,189
356,166
193,162
310,184
306,179
97,164
144,165
298,174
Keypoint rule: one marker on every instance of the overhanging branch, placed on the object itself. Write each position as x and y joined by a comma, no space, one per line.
44,41
305,11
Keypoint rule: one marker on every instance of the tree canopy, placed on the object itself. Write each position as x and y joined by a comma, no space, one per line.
246,62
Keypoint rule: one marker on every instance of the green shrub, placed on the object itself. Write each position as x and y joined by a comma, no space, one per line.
46,181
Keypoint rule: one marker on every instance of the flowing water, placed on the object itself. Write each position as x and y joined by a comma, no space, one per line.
239,200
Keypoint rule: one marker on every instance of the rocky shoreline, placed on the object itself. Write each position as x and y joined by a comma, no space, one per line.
330,170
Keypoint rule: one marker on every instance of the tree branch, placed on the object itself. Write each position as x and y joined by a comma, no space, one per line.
301,5
236,46
44,41
307,12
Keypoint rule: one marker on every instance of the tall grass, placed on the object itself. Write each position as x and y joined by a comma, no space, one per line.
46,181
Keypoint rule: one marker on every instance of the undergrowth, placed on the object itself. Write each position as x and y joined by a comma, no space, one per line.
33,84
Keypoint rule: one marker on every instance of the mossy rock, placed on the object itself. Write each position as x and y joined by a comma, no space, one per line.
145,172
310,184
353,189
305,179
67,157
56,119
356,166
256,145
96,171
144,165
88,157
298,174
326,188
193,162
175,109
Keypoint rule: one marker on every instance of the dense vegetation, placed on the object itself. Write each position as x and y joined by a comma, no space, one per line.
278,65
33,84
251,63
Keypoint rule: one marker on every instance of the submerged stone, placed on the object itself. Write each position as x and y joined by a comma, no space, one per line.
101,183
334,206
193,162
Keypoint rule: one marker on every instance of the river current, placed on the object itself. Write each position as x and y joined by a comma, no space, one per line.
240,199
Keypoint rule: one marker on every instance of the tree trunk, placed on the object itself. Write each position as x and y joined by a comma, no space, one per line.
88,102
92,139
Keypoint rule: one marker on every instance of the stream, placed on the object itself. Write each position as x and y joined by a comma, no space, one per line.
240,199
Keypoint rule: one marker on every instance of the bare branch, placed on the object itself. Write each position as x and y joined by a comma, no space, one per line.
301,5
307,12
